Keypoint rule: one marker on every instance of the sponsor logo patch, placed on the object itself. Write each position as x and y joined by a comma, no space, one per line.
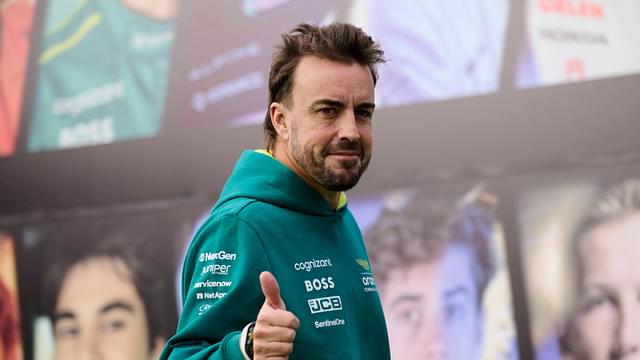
364,264
203,308
312,264
329,323
216,269
319,284
325,304
220,255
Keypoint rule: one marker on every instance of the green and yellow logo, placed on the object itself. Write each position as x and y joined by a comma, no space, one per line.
364,264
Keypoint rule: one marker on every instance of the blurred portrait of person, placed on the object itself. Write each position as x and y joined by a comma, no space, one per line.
10,339
433,258
439,49
108,298
15,27
102,73
606,324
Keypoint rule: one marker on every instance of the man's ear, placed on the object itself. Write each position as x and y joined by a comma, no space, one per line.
280,119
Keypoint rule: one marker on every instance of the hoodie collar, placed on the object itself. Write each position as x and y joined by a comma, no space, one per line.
342,201
257,175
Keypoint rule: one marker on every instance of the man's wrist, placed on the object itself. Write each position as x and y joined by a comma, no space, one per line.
246,341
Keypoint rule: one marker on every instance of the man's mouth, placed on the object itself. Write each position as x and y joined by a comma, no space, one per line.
345,154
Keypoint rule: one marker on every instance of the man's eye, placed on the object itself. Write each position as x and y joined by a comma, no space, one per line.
328,111
364,114
111,326
454,312
595,302
67,331
410,316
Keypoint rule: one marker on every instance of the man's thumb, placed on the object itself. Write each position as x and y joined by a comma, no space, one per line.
271,291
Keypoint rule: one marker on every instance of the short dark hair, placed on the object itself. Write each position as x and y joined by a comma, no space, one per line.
130,241
420,232
338,41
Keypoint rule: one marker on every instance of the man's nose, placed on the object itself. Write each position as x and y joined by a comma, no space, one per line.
432,339
89,349
435,352
348,127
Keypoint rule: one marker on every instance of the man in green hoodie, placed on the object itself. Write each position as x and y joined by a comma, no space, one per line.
283,215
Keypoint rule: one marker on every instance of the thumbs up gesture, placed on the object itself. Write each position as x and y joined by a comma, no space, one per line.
275,327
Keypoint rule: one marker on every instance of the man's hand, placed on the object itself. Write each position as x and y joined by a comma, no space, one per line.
275,327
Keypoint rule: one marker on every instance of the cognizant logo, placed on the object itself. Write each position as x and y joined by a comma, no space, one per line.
312,264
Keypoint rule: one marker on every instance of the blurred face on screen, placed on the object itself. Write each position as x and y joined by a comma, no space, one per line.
432,308
328,118
100,315
10,342
608,323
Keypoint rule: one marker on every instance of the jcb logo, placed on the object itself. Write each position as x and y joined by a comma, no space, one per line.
320,305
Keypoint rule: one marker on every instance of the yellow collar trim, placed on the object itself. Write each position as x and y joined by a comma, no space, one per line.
264,152
342,202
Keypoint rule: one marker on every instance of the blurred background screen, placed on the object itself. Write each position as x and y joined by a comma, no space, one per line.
503,129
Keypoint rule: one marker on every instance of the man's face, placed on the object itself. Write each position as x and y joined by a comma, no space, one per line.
608,323
329,114
99,314
432,309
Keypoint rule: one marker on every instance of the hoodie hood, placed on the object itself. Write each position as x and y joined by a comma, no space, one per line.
259,176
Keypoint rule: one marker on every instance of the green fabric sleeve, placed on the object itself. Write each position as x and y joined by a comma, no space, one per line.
221,291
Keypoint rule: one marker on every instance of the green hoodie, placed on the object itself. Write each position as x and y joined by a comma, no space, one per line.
268,218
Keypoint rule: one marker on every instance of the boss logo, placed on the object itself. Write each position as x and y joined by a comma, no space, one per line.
319,284
325,304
